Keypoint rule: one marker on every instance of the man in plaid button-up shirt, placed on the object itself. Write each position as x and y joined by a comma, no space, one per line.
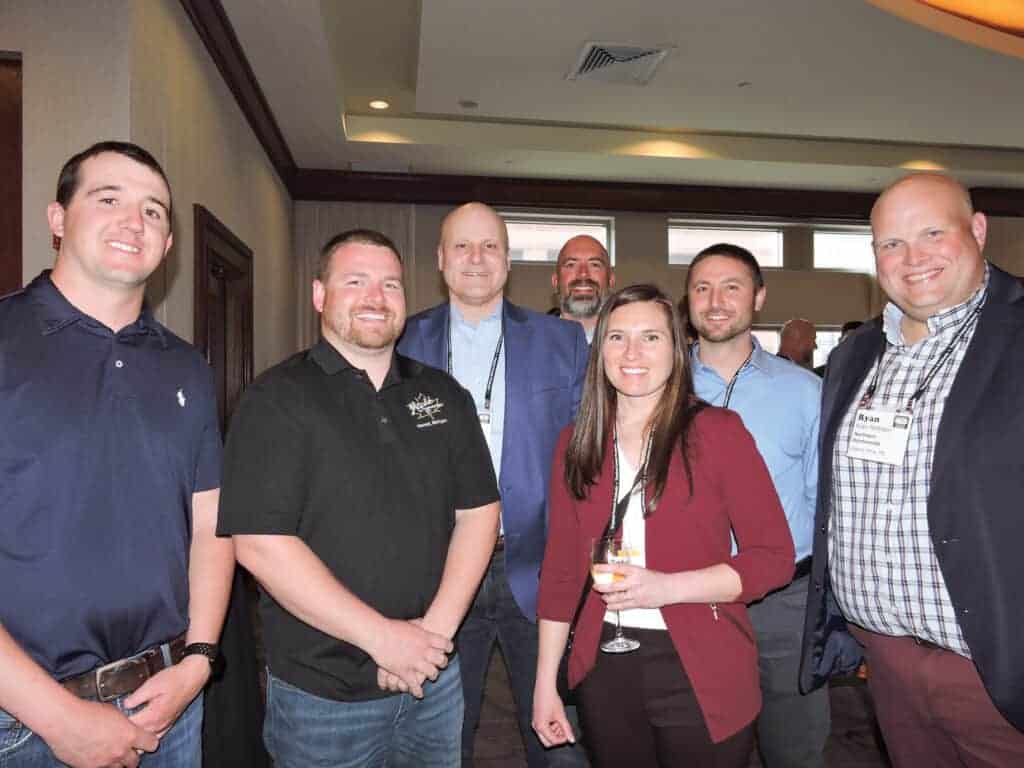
917,556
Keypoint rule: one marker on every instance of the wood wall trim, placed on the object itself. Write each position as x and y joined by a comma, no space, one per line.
327,185
995,201
214,28
11,258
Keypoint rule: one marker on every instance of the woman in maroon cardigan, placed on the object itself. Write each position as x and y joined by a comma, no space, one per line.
689,694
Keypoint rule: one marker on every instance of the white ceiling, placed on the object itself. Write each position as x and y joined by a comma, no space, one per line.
840,94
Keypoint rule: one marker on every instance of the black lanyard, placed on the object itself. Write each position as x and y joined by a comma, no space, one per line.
732,381
618,515
964,326
494,362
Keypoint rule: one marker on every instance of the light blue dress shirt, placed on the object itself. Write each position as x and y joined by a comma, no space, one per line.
780,404
472,348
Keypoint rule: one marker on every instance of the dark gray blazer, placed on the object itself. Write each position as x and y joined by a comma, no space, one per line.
975,505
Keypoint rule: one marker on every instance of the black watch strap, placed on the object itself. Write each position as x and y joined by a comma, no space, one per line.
209,650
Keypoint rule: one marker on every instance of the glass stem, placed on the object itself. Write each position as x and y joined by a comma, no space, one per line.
618,625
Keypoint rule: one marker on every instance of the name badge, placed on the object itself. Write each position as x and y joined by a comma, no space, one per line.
880,436
485,425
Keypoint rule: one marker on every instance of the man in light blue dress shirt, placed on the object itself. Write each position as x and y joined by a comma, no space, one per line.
779,403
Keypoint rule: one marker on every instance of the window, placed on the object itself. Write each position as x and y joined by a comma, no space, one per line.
537,237
687,238
826,341
847,248
768,338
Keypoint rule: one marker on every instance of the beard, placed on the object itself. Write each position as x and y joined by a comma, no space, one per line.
720,333
585,306
369,336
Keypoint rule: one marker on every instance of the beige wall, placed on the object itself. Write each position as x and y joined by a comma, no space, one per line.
119,69
184,113
75,74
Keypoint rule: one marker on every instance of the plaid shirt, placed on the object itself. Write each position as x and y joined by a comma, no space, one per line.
884,571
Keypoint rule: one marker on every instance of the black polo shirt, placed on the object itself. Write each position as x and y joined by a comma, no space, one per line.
369,480
105,437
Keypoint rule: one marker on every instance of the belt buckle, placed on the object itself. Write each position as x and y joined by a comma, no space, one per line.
113,667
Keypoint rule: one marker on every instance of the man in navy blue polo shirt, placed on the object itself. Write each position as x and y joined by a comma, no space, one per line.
115,585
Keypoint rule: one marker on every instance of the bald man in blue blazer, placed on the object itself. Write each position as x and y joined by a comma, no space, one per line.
525,371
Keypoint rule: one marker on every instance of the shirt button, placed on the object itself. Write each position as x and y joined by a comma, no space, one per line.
383,419
119,363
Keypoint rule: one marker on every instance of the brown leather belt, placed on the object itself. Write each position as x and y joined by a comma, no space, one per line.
120,678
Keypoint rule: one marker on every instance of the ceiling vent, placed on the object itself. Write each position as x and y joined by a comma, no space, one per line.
614,63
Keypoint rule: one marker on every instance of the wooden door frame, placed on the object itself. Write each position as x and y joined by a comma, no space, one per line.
207,225
11,257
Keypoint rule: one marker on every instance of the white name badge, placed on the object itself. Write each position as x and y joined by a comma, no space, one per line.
880,436
485,425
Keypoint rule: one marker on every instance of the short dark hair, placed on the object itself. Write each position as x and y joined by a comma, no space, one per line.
850,325
364,236
68,181
737,252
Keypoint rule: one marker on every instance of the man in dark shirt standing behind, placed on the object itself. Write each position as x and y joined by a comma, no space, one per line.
360,494
114,583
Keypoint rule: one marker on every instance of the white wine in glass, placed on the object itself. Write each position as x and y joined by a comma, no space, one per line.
611,550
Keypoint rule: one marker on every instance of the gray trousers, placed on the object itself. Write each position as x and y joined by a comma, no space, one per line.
792,728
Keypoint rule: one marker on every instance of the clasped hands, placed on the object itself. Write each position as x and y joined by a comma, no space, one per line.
408,654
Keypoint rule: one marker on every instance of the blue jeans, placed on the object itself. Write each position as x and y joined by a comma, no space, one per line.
495,615
302,730
181,746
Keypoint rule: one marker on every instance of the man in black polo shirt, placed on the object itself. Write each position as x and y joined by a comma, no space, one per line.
114,583
360,494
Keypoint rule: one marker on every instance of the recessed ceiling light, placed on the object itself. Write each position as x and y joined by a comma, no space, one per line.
379,104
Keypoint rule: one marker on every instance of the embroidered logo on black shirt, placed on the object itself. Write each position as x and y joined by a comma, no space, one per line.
426,410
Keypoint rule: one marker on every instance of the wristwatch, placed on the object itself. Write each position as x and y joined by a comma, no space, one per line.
209,650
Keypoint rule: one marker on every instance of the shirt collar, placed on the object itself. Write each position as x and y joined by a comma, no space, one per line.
458,320
758,357
331,361
892,315
55,312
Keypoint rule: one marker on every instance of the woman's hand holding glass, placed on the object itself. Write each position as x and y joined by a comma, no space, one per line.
636,587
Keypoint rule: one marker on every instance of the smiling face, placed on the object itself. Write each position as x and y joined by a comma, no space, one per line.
638,351
722,298
361,300
115,229
928,245
582,277
473,255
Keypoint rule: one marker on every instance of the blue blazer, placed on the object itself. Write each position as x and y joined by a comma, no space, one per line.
545,362
974,505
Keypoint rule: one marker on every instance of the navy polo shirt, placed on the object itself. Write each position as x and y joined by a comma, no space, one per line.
105,437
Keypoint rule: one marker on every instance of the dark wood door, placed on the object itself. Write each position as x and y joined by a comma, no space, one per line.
10,174
223,331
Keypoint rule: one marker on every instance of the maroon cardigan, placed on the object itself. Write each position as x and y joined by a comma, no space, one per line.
732,490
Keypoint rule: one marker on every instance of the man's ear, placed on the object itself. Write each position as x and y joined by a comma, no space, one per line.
759,298
55,218
611,279
979,228
319,295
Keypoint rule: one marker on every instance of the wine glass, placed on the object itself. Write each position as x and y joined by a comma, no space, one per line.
612,550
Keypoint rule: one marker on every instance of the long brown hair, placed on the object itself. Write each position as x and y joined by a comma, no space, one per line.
670,422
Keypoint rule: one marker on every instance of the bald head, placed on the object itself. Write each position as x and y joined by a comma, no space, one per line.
797,341
476,212
582,278
928,245
473,257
